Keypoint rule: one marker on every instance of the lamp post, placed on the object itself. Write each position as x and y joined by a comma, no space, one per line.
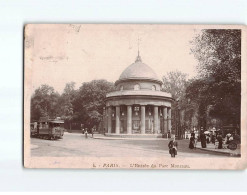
103,121
179,126
177,118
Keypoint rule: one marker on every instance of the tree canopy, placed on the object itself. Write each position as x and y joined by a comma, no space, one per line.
84,105
218,84
44,102
90,100
175,83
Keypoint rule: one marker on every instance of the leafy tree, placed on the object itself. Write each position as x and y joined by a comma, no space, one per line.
198,100
44,102
175,83
219,54
66,99
218,85
90,100
82,106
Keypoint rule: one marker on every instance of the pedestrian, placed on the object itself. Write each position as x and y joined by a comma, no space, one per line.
169,134
86,133
173,146
236,137
196,139
192,142
228,135
213,138
82,128
92,132
220,140
203,140
231,138
193,134
208,141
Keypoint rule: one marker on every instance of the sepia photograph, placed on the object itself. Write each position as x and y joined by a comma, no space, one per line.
134,96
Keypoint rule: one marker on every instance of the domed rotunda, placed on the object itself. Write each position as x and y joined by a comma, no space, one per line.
138,107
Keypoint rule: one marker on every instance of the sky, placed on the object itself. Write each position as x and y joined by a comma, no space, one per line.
61,53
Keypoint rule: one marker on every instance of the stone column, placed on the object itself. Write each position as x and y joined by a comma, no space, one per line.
156,118
129,119
165,120
159,129
143,128
117,119
109,113
169,118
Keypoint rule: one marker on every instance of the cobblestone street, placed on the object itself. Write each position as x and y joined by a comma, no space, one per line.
77,145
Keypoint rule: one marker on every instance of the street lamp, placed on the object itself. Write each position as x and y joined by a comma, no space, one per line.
177,118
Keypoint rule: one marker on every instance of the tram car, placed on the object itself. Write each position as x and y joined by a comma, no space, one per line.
48,128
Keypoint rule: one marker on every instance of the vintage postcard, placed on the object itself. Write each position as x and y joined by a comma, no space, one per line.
135,96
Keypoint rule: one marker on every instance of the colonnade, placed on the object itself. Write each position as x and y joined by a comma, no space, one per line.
166,114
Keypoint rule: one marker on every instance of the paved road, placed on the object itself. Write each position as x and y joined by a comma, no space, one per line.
77,145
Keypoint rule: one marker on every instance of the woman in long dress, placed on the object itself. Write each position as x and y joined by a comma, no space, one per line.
192,142
195,142
203,140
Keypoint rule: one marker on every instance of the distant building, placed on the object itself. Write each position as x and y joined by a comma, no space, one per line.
138,107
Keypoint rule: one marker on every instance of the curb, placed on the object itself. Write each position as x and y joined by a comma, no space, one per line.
230,154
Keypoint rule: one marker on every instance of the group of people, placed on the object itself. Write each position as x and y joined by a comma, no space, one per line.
85,132
205,139
232,136
212,138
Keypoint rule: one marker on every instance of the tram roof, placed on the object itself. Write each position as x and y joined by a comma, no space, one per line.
56,121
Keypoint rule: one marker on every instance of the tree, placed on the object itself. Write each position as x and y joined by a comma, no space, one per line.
218,85
66,99
44,102
175,82
81,106
90,100
219,54
198,100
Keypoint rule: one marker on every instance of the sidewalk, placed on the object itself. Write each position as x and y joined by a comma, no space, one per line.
211,147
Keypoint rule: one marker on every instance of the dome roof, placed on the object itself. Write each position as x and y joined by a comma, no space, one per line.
139,70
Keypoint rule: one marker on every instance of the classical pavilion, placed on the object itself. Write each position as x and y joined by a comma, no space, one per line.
138,107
